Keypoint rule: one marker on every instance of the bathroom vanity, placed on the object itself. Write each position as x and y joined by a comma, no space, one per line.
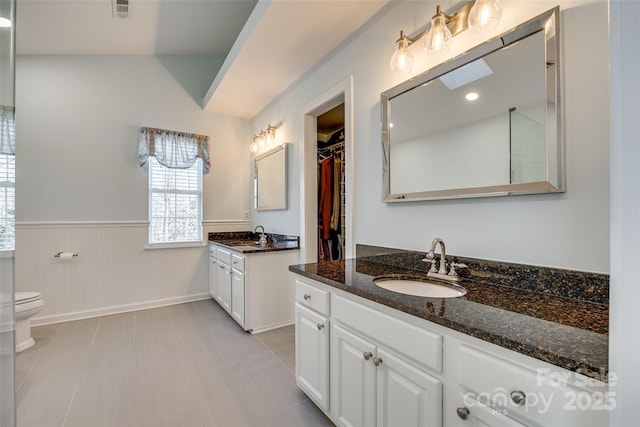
250,281
497,356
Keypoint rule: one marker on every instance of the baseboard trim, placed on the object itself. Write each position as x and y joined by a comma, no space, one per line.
117,309
272,326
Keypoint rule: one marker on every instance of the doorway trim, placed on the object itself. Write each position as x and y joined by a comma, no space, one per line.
340,93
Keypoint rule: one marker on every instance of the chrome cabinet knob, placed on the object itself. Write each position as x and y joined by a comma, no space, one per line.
518,397
463,413
377,361
307,297
320,326
367,355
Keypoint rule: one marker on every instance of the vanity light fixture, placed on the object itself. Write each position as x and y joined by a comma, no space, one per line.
264,141
480,15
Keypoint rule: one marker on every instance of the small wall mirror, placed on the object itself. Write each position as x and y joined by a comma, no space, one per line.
271,179
484,124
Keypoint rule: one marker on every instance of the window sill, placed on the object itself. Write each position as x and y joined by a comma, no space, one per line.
153,246
9,253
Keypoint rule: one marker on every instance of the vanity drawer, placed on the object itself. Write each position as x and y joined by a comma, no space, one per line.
420,345
486,374
237,262
538,394
313,297
224,256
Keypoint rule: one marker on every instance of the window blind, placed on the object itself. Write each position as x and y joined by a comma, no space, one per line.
7,201
175,203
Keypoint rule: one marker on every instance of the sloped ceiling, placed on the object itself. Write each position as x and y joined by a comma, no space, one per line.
281,41
254,50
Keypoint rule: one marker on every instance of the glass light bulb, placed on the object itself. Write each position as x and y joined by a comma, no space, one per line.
438,40
485,15
402,59
270,138
253,147
5,23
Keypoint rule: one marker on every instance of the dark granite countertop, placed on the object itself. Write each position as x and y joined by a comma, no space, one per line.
247,241
567,332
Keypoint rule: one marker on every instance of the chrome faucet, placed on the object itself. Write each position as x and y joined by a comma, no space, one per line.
443,257
441,273
263,237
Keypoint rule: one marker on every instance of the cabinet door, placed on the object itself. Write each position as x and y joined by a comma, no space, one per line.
237,296
354,378
213,275
405,395
223,295
312,355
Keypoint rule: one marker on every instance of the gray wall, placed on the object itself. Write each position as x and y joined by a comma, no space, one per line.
569,230
78,121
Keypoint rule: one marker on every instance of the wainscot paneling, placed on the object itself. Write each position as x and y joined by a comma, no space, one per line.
113,272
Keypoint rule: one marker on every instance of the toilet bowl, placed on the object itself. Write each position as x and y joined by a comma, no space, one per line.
27,305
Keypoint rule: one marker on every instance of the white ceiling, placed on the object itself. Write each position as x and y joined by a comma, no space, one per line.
269,44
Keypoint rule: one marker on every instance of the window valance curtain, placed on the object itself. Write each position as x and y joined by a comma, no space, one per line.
177,150
7,130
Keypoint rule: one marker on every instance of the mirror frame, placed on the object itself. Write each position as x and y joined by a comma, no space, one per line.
555,172
285,179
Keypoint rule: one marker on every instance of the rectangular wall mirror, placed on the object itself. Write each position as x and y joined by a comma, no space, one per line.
271,179
484,124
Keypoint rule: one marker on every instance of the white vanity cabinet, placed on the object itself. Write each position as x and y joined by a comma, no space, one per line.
312,342
223,279
255,288
355,378
213,273
388,368
373,385
497,385
237,296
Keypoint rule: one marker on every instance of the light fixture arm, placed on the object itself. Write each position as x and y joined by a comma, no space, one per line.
456,22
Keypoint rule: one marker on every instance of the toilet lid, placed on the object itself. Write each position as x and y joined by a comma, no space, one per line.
25,297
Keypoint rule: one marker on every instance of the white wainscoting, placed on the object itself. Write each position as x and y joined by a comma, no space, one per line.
113,272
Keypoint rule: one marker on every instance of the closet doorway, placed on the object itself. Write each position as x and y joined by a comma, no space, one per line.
331,184
327,176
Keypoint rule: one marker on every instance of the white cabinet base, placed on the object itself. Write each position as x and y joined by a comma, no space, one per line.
388,368
256,288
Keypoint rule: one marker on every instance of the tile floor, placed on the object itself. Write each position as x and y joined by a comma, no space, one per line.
179,366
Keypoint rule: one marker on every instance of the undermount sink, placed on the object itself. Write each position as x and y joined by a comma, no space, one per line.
418,286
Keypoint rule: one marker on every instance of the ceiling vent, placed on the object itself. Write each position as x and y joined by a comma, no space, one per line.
120,8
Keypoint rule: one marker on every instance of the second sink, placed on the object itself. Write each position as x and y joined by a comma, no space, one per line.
418,286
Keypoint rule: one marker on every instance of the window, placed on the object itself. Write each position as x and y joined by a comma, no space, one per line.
7,202
175,203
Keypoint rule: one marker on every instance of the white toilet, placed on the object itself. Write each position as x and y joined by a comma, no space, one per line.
27,304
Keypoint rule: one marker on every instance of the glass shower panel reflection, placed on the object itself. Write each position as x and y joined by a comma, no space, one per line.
528,149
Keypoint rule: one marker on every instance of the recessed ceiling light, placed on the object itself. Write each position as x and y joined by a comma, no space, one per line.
471,96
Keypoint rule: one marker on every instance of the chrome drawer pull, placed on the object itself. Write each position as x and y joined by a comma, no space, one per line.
367,355
463,413
377,361
307,297
518,397
320,326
